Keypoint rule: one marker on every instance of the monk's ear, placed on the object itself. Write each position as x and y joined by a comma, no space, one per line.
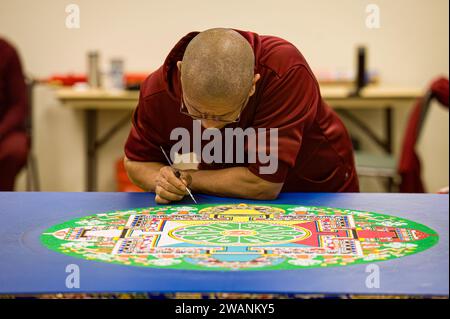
255,79
179,65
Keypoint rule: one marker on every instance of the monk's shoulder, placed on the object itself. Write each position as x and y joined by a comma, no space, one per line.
153,84
280,55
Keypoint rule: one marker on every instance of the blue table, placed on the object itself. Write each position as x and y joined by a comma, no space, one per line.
27,267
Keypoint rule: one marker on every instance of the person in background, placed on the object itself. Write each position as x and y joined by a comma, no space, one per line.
14,142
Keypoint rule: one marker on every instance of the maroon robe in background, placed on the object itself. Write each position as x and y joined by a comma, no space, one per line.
314,149
409,166
14,143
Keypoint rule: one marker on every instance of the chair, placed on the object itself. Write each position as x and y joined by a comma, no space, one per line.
32,175
386,166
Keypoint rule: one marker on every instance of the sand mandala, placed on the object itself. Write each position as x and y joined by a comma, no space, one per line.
239,237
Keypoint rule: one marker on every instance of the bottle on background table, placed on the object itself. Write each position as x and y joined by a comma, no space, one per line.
94,75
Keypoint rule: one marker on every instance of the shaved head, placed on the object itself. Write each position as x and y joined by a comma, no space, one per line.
218,67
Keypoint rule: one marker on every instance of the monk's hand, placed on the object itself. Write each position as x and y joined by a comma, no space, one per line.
169,187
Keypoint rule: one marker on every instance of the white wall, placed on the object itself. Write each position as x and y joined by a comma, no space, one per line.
409,49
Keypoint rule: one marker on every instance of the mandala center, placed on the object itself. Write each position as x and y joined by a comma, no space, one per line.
236,232
239,234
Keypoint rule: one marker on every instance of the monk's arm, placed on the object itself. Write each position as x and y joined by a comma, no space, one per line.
231,182
234,182
143,174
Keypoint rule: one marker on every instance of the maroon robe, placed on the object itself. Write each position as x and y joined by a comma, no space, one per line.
13,114
314,148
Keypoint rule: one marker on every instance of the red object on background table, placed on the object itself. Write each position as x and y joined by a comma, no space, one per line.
71,79
66,79
135,78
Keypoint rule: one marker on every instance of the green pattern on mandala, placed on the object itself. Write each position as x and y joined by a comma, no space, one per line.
253,237
238,234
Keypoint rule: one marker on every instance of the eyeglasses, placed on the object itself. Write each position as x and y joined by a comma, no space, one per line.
211,117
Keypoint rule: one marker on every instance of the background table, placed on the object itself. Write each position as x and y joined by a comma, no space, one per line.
27,267
91,102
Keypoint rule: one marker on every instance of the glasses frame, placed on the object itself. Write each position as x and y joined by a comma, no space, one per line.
203,116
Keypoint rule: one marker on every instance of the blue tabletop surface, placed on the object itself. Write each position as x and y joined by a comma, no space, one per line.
27,267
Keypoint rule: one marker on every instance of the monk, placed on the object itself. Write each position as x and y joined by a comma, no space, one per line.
226,79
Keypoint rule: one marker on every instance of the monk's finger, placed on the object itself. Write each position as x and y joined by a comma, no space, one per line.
160,200
169,175
169,187
167,195
186,178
